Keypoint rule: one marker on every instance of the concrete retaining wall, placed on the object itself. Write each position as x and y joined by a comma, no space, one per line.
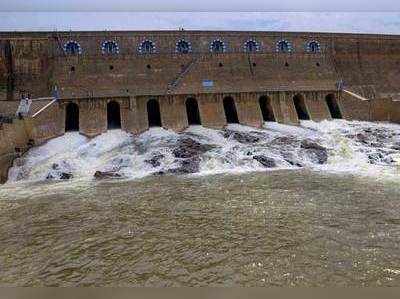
13,139
353,108
212,110
173,112
46,125
317,107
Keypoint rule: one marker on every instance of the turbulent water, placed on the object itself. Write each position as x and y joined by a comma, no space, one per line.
340,146
314,205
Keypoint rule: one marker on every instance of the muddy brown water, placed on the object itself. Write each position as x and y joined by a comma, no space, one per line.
282,228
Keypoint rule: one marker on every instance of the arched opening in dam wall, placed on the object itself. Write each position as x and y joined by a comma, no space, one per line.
94,116
301,108
266,108
153,113
192,111
113,115
230,111
72,117
333,106
174,112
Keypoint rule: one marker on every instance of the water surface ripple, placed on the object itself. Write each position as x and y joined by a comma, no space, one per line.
281,228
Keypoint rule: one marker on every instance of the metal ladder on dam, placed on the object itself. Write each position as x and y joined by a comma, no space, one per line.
173,85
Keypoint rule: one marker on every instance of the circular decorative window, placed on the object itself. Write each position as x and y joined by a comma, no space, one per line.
109,47
251,46
313,47
217,46
284,46
183,46
147,47
72,48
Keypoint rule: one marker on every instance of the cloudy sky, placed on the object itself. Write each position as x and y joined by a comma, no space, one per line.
199,5
364,22
359,16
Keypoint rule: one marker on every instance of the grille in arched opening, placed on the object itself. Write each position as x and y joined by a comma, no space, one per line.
313,47
266,109
153,113
230,111
284,46
72,117
147,47
113,115
333,106
300,107
251,46
72,48
183,47
192,111
217,46
109,47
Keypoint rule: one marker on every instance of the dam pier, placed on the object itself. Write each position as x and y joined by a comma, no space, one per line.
55,82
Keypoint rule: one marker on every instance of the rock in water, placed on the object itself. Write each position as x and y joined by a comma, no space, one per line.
159,173
66,176
265,161
187,166
188,148
294,163
362,138
59,172
155,160
289,158
380,158
188,152
106,174
285,141
317,152
241,137
59,176
396,146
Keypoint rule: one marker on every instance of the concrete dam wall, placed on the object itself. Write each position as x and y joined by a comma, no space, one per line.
94,81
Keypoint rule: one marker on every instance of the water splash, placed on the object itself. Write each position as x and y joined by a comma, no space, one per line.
362,148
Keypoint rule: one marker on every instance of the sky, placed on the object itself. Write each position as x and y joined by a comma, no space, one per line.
355,22
200,5
355,16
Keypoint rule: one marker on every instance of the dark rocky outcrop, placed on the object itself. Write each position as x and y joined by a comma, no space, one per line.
362,138
59,176
59,172
265,161
241,137
284,140
396,146
106,175
380,158
317,152
294,163
155,160
188,152
188,148
159,173
187,166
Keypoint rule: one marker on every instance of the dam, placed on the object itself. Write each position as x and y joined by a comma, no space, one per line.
199,158
95,81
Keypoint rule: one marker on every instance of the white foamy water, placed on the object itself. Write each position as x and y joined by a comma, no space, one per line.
362,148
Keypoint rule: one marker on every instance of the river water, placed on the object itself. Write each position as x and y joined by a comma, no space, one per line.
324,210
